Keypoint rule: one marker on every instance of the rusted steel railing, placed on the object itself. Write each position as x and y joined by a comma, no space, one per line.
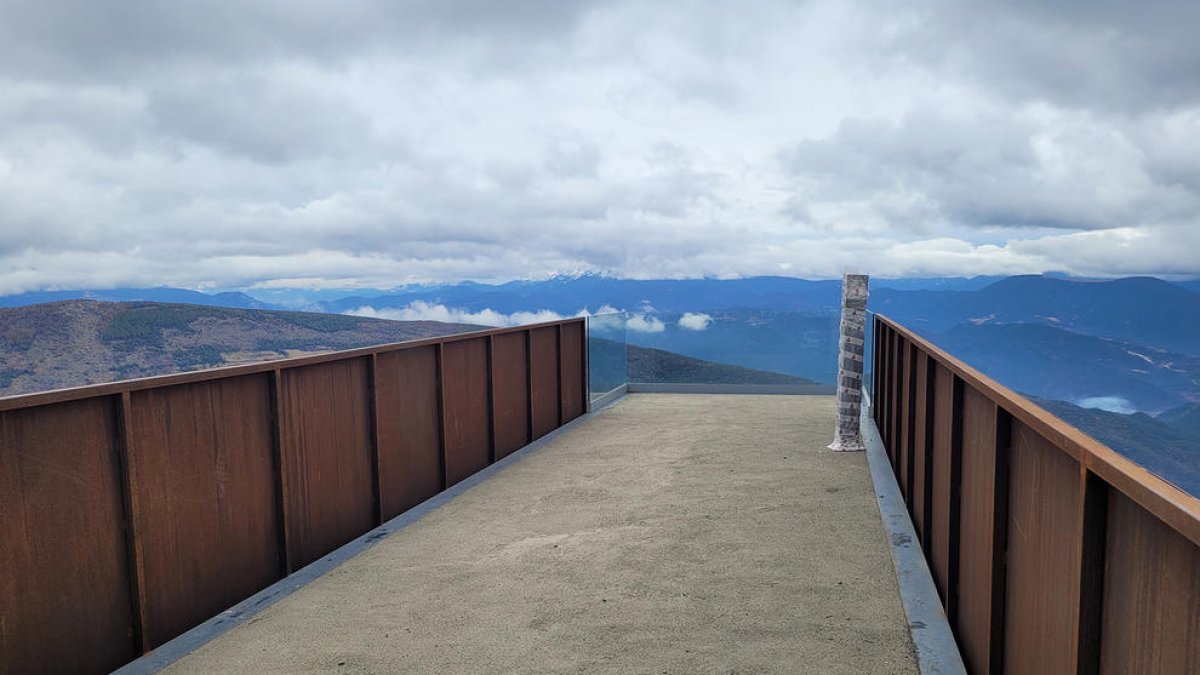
132,511
1052,552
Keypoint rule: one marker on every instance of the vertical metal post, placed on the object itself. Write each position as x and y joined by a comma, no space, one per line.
851,344
133,524
558,379
373,413
1093,526
491,397
441,397
280,467
587,367
528,385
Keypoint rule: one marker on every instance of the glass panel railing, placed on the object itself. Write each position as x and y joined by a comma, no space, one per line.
733,347
607,353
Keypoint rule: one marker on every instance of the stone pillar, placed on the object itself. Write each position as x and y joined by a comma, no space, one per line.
852,343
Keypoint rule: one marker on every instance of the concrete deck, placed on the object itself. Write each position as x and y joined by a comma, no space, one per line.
668,534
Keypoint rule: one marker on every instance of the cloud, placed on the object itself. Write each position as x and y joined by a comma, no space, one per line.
139,37
1105,55
364,143
645,323
1114,404
934,171
424,311
695,321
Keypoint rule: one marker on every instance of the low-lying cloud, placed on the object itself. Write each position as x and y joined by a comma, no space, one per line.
645,323
419,310
695,320
424,311
1116,404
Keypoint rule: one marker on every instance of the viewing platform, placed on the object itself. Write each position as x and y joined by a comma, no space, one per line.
665,534
515,500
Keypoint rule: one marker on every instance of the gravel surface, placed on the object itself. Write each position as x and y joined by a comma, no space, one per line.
667,534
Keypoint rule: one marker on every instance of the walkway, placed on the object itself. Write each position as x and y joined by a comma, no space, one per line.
667,534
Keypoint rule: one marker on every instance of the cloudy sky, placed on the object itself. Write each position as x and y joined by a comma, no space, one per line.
236,143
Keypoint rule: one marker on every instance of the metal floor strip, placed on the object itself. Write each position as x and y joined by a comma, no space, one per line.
937,650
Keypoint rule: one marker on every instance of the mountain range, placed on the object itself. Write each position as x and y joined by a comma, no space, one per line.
569,293
1185,418
1168,444
77,342
1133,340
1122,346
1055,363
234,299
1144,310
1192,285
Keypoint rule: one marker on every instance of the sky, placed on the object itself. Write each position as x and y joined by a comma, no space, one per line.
275,143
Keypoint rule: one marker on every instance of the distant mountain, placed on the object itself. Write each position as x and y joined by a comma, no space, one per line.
1192,285
935,302
612,363
935,283
307,299
1165,450
1059,364
1144,310
160,294
64,344
788,325
656,365
801,344
78,342
568,295
1185,418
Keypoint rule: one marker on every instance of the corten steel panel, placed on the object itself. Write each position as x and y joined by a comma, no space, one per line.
1043,556
877,403
904,448
941,537
881,389
510,393
1151,595
325,444
1170,504
571,371
467,418
910,420
64,584
897,402
876,371
406,407
888,393
974,620
885,391
206,490
920,458
889,400
543,362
